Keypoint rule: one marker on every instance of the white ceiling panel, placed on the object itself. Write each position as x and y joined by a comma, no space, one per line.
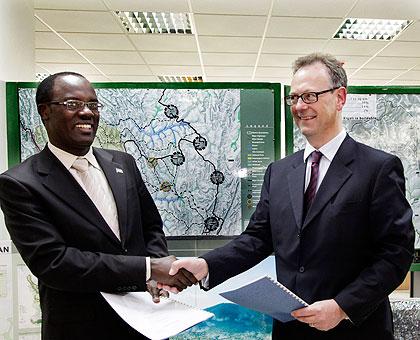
70,4
402,49
174,6
375,74
398,63
241,71
277,80
80,21
277,72
229,44
164,42
237,7
400,82
96,78
134,79
353,47
171,58
295,27
352,62
49,40
281,60
411,75
113,57
292,46
58,56
230,79
79,68
226,25
90,41
319,8
124,69
165,70
229,59
380,9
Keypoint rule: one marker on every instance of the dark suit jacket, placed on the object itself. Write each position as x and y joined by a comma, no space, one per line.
355,245
67,244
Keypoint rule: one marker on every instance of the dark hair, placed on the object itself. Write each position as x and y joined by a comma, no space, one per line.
45,87
335,67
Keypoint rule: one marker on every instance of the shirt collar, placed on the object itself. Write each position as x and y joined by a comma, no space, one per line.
68,159
328,150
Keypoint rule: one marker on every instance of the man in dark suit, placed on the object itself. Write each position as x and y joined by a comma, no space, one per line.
335,216
83,235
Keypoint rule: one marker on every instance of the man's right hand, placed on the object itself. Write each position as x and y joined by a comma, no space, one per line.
160,273
198,267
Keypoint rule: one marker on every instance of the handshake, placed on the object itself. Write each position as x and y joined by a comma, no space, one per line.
175,275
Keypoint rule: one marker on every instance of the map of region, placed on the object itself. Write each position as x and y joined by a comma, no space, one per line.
186,144
393,128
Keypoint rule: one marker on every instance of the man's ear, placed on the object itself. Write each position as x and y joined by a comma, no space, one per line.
341,98
44,111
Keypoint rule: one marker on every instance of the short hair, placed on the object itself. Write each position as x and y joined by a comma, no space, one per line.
45,87
335,67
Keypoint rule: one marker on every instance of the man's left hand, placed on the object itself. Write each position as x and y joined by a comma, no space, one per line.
323,315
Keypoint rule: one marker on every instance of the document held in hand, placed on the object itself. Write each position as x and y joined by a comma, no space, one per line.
155,320
267,296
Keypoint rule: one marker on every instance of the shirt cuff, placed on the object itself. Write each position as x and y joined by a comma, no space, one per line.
205,282
148,269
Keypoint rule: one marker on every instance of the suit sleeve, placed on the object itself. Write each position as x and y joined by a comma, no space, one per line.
249,248
51,259
154,236
392,233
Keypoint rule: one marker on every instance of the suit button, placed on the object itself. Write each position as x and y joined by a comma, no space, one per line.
299,235
302,269
125,250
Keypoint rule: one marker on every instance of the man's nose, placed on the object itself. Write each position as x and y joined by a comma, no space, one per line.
300,104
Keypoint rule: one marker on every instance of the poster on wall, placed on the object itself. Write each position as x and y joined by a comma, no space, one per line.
201,152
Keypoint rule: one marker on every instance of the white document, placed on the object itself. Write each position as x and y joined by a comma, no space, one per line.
155,320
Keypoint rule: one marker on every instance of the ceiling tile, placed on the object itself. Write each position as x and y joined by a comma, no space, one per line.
399,82
228,25
277,80
124,69
374,74
411,33
229,79
96,78
167,42
320,8
113,57
163,70
411,75
229,44
353,47
402,49
398,63
239,7
49,40
292,46
136,78
401,9
79,68
229,59
174,6
73,4
80,21
295,27
58,56
240,71
90,41
171,58
352,62
282,60
284,72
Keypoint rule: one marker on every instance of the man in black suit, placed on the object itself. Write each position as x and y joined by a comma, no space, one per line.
83,230
334,214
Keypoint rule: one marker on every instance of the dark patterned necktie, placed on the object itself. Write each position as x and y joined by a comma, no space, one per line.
311,189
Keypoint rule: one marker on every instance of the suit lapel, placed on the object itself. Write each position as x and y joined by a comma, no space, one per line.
338,173
296,181
58,180
114,173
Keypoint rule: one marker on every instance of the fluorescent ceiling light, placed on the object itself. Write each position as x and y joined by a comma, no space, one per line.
41,76
155,22
181,79
371,29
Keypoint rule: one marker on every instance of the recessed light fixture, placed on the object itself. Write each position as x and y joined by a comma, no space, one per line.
155,22
41,76
181,79
371,29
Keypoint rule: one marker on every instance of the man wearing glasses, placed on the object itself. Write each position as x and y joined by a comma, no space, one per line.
83,220
334,215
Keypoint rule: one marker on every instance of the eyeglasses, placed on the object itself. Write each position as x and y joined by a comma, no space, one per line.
77,105
307,97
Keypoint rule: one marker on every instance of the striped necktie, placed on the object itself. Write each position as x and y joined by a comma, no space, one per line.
311,189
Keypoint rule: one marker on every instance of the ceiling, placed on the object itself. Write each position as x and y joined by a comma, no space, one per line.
234,40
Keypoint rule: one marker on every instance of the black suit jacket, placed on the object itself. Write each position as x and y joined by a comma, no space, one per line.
355,245
67,244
